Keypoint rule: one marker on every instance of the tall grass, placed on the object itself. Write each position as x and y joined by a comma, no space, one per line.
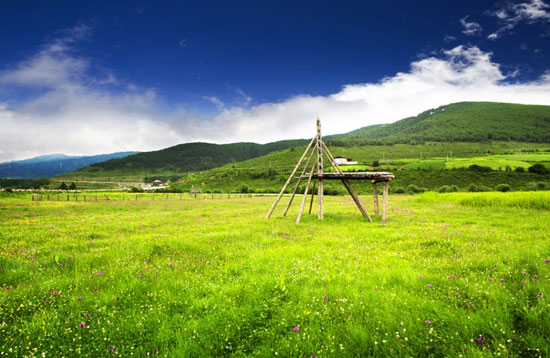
525,200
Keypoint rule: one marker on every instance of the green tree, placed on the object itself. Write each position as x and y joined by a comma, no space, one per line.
72,186
63,186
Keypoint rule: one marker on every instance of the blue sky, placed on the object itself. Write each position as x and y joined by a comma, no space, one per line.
147,75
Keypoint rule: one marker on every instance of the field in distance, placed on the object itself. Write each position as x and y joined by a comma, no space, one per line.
447,274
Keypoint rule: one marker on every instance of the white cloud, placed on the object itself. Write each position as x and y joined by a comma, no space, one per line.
76,114
510,16
470,28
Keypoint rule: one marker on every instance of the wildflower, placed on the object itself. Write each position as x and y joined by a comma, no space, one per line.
111,351
470,304
502,280
481,339
490,279
95,292
170,264
457,294
428,321
429,285
87,315
8,288
539,294
420,277
82,325
535,277
523,281
376,288
452,277
140,275
99,273
79,298
70,257
296,329
325,298
547,260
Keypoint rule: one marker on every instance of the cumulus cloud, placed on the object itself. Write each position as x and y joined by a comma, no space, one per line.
76,114
470,28
511,15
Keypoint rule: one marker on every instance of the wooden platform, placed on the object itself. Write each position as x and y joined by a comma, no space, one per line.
374,176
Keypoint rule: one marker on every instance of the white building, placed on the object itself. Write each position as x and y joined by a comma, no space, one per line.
344,161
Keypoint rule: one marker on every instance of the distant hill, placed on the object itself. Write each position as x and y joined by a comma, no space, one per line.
460,122
184,158
51,165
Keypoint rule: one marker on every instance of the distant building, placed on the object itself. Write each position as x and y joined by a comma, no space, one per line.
156,183
344,161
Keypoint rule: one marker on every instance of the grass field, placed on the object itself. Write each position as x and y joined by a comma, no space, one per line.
202,277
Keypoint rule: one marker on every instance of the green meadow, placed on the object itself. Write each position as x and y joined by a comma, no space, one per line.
459,274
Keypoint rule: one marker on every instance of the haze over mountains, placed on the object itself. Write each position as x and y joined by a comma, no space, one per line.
457,122
53,164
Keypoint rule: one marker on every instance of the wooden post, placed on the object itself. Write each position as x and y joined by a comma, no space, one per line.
288,180
320,197
96,198
356,199
123,197
84,198
385,201
375,197
68,197
136,197
32,197
305,194
57,197
297,184
48,198
312,195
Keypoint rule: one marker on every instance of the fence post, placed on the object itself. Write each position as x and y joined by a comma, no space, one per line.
68,197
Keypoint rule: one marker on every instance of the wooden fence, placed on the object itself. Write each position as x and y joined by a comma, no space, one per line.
133,197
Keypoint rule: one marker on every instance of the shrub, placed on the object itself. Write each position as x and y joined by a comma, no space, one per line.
399,190
72,186
538,168
473,188
63,186
445,189
519,170
243,189
413,189
376,163
503,188
135,189
479,168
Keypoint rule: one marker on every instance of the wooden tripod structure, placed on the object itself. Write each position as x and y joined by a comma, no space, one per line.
317,175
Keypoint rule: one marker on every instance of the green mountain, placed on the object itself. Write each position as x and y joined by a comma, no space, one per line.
181,159
460,122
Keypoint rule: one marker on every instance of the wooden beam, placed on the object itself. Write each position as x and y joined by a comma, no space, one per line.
312,195
305,194
385,202
320,196
355,197
348,186
375,197
288,180
298,183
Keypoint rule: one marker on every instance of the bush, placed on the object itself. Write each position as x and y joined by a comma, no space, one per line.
519,170
473,188
479,168
376,163
72,186
538,168
448,189
399,190
63,186
135,189
503,188
243,189
413,189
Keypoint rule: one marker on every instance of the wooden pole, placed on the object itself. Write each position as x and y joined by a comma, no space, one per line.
312,195
375,198
288,180
320,197
305,194
297,184
348,186
385,201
